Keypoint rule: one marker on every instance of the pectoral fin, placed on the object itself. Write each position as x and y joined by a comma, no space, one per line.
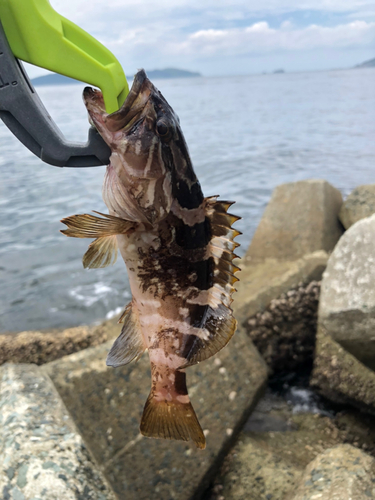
102,252
90,226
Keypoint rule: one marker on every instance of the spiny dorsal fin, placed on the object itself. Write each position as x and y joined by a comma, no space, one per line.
218,324
129,345
90,226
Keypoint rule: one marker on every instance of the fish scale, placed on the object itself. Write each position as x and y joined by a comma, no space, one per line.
178,248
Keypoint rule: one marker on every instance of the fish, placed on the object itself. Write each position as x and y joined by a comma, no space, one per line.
178,248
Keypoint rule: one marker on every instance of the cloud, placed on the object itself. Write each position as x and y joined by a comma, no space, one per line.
198,35
106,20
260,37
257,38
131,27
82,9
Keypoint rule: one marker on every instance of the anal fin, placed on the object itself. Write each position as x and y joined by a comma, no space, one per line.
129,345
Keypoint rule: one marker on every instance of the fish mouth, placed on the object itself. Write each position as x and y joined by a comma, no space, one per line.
133,105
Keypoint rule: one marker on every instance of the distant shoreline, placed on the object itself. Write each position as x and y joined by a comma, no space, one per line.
55,79
168,73
367,64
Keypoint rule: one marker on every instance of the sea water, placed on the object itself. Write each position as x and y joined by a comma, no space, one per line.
246,135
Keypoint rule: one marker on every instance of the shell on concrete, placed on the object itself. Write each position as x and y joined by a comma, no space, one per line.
41,347
284,333
262,282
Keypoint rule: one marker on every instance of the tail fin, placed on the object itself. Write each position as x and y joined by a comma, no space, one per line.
171,420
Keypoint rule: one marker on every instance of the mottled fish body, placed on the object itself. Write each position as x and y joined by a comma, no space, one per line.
178,248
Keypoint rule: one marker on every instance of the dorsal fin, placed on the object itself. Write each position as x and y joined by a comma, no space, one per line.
218,323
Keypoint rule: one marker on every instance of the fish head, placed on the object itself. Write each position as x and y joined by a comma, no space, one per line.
142,136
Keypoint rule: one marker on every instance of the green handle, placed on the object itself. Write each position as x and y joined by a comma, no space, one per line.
38,35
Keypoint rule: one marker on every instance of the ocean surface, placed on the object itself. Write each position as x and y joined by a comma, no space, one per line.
246,135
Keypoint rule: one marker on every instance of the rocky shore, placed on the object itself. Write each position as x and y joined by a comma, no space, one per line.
287,407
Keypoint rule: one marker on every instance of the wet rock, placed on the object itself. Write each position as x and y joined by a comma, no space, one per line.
42,456
347,302
257,473
301,218
260,283
339,376
340,473
281,437
271,453
284,333
356,428
358,205
42,347
106,405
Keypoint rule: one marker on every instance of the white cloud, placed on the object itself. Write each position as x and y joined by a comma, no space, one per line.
259,37
82,9
197,35
106,20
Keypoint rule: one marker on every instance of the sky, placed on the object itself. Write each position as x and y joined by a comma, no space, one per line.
228,37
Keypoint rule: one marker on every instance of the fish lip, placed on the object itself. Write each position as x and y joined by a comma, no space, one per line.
94,102
93,98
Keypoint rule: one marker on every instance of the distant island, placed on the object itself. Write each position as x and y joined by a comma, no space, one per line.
53,79
367,64
172,73
278,71
56,79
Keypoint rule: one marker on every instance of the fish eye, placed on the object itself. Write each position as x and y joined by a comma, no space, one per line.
162,128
